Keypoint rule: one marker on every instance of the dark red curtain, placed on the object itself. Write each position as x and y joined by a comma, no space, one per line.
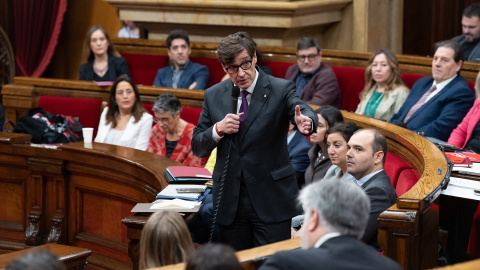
37,27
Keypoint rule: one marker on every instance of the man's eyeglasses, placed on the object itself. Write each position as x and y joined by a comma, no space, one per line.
234,69
310,57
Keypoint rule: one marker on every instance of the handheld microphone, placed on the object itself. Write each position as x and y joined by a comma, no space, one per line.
235,94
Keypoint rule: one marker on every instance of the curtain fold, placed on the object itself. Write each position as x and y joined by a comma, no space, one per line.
37,28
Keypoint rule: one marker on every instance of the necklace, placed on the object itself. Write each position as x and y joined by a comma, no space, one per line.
98,70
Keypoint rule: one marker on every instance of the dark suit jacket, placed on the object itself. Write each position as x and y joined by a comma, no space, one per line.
322,89
259,151
442,113
339,253
382,195
316,170
298,151
116,67
193,73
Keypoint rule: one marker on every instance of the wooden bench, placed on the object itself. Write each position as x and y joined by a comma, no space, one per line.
145,57
74,258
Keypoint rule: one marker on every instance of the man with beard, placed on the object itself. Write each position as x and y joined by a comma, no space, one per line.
471,32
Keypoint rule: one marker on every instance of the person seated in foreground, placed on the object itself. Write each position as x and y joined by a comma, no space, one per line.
165,240
40,259
172,136
336,213
467,133
125,121
328,116
316,82
337,138
104,62
438,103
183,73
384,92
367,151
214,257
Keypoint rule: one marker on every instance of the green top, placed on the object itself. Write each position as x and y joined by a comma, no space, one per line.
373,103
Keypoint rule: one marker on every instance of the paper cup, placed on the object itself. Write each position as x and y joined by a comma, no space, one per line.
87,135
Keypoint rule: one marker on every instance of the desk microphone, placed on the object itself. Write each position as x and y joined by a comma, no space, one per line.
235,94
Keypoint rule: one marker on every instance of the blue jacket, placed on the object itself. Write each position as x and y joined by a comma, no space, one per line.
193,73
298,152
442,113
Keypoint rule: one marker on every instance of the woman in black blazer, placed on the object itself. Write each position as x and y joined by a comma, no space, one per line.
104,62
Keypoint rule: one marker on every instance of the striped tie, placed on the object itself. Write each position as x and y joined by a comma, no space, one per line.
419,103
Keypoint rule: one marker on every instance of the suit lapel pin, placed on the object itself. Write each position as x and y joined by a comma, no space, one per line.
264,96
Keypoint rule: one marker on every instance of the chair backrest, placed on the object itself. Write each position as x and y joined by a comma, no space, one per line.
144,67
214,67
351,82
87,110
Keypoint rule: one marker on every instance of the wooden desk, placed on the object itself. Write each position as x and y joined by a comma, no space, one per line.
74,258
75,195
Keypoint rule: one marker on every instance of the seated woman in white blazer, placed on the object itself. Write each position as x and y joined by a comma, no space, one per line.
125,121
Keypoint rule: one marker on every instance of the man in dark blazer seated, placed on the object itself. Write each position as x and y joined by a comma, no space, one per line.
438,103
336,213
365,161
316,82
298,146
183,73
254,185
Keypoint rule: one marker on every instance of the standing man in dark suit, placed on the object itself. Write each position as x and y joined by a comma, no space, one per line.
365,160
437,104
298,146
183,73
336,213
316,82
254,185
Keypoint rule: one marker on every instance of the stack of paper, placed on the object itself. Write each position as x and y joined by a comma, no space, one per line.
184,192
187,175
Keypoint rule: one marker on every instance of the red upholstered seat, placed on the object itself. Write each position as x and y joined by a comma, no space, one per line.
394,166
190,115
351,82
472,87
214,67
409,79
87,110
144,67
279,69
406,180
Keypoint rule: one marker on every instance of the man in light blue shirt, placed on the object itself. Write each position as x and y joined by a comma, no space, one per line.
367,150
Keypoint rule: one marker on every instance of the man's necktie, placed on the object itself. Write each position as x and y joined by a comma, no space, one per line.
243,107
419,103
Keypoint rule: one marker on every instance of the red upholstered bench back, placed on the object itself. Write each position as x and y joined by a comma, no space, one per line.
351,82
409,79
188,114
144,67
214,67
279,69
401,174
87,110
